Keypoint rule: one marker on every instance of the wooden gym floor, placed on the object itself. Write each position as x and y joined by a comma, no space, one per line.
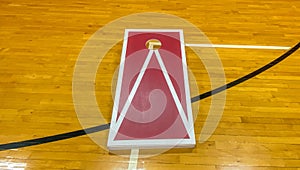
41,40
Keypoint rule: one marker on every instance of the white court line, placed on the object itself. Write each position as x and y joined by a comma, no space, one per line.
134,156
239,46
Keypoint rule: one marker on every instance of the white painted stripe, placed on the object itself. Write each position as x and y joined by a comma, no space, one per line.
120,79
239,46
132,93
186,85
115,110
134,156
173,92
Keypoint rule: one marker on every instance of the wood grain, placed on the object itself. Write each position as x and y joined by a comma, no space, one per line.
41,40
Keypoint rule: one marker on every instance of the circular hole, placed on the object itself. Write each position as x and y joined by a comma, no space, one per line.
153,44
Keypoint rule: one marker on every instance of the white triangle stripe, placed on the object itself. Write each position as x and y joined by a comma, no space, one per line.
136,85
131,95
172,90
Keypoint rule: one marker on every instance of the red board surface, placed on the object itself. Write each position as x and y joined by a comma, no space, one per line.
152,104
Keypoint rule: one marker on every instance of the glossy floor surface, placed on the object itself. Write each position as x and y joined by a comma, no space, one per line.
40,42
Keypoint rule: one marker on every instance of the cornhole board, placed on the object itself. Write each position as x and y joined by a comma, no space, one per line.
152,105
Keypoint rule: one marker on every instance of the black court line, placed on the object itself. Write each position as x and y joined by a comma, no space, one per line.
53,138
48,139
248,76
